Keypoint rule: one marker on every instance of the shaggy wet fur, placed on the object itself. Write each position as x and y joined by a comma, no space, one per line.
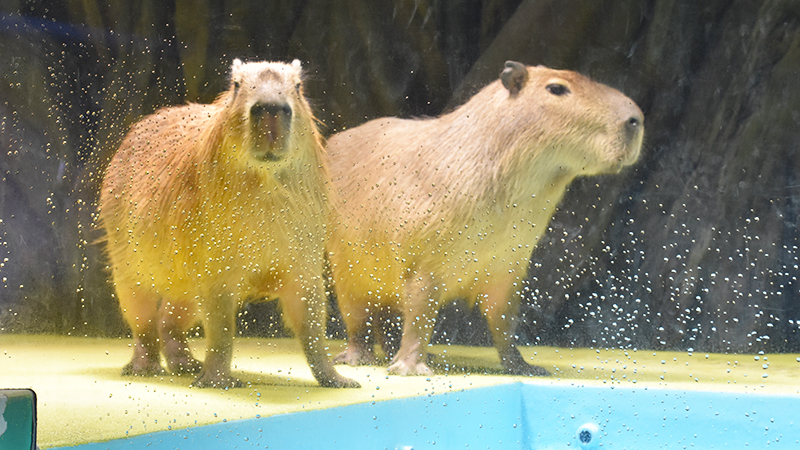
205,206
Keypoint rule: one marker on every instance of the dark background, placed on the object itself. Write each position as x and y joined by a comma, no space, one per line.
695,247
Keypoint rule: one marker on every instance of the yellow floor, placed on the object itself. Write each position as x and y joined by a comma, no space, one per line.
82,397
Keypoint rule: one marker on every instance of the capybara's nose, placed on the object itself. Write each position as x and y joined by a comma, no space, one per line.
634,125
260,109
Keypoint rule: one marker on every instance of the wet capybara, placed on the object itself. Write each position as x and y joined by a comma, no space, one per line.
451,207
205,206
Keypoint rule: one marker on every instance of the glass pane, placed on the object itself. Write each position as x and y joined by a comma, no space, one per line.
496,214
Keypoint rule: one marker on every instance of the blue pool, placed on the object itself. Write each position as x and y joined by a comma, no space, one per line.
512,416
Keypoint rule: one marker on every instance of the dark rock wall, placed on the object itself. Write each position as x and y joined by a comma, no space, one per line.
697,247
694,247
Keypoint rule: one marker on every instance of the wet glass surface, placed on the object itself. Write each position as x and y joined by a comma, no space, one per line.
635,224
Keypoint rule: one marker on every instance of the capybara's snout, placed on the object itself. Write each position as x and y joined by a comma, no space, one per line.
632,131
270,124
634,124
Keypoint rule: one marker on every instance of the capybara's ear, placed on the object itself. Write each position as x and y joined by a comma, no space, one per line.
514,76
235,67
298,67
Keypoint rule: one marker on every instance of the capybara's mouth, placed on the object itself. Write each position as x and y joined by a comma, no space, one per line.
631,157
270,156
268,145
631,153
628,158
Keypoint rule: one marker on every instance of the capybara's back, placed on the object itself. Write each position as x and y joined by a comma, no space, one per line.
205,206
451,207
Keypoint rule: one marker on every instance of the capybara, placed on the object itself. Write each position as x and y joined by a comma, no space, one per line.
205,206
451,207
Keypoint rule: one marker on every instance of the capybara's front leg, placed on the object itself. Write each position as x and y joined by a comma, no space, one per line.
305,313
388,331
501,311
175,320
141,312
419,317
219,324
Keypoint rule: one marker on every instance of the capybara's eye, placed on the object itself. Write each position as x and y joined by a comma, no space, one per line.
557,89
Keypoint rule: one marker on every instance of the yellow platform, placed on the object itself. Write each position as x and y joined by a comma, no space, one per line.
83,398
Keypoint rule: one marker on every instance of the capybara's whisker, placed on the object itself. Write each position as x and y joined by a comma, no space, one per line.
451,207
207,205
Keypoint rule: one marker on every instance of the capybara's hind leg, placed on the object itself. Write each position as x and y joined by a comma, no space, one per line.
359,351
219,324
141,312
176,319
501,315
304,311
390,327
360,337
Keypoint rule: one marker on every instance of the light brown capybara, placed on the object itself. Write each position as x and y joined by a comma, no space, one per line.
205,206
451,207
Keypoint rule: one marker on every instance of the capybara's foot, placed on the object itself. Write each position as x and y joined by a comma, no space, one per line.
410,360
338,381
215,380
515,365
406,367
528,370
354,357
184,366
176,350
142,368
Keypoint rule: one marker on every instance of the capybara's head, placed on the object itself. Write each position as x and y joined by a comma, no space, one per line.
267,99
589,128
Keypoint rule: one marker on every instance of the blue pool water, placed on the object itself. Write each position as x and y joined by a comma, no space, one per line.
512,416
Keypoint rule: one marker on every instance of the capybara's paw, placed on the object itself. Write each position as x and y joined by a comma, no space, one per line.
338,381
408,368
536,371
207,380
184,366
527,370
142,368
355,358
